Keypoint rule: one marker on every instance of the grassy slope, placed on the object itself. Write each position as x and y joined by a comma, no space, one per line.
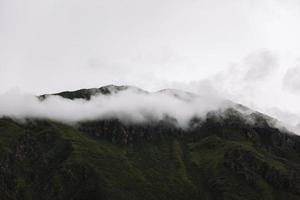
48,160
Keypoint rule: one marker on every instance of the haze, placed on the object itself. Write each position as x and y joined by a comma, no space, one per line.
129,106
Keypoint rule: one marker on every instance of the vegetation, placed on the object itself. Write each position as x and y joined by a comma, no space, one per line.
220,159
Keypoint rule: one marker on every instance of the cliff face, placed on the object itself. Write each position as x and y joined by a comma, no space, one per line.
215,158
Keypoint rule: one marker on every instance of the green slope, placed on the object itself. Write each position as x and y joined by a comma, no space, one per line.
109,160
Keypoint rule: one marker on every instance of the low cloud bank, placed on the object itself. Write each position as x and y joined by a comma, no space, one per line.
131,105
128,106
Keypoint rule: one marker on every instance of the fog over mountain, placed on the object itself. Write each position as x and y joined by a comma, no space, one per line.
124,102
130,105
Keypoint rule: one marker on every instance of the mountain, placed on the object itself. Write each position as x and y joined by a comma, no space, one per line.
88,93
218,157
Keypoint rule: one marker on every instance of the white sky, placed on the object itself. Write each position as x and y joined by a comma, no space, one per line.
246,50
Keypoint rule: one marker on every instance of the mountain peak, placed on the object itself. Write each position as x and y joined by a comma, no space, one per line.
180,94
88,93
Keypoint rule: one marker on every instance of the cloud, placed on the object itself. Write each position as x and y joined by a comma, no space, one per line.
243,79
259,65
255,67
284,115
291,80
128,105
262,81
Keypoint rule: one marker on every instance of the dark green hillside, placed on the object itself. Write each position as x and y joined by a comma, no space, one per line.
223,158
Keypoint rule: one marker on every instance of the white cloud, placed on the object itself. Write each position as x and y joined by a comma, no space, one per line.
291,79
129,105
260,65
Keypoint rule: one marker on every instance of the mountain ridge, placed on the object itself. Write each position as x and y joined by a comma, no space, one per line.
87,94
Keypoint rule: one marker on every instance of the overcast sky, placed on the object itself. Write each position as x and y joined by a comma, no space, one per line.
245,50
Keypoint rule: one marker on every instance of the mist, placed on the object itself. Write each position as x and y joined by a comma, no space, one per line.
129,106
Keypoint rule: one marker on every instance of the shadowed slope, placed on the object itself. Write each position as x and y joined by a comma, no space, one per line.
221,159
